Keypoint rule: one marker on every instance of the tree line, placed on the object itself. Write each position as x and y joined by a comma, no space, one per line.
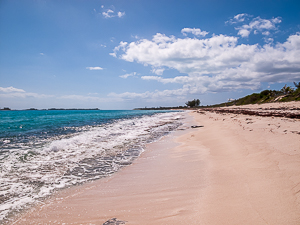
193,103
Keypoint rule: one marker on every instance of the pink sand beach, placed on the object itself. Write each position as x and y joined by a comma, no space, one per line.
232,169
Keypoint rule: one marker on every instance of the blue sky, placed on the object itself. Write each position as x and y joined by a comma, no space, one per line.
126,54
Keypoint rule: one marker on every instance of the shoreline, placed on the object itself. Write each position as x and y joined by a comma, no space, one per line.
45,152
236,169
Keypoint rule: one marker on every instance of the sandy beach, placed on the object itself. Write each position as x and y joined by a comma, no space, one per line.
232,169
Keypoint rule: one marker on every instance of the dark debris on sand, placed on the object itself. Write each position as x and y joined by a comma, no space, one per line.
293,113
196,126
114,221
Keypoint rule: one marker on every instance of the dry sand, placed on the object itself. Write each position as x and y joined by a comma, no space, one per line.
237,169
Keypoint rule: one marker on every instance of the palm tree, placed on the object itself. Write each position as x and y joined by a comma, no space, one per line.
287,89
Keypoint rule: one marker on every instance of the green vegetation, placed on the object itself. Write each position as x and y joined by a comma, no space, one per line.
5,108
193,103
189,104
286,94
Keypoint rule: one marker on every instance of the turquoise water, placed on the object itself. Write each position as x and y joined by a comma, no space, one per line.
16,123
44,151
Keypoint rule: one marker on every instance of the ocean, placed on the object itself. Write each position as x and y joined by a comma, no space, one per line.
42,151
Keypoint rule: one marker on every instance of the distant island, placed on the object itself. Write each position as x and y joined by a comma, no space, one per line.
5,109
72,109
8,109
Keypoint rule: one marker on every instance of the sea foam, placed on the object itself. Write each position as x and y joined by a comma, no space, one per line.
32,171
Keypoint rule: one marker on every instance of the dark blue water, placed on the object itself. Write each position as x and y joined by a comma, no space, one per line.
43,151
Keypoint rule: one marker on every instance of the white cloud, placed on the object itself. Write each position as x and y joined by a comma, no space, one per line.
185,55
151,78
109,13
10,89
121,14
238,18
162,39
266,33
135,36
269,40
178,79
19,99
121,46
11,92
244,32
128,75
213,64
195,31
158,71
94,68
258,25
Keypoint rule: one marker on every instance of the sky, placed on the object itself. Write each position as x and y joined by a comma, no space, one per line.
124,54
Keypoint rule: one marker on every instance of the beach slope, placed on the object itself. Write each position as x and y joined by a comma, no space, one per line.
232,169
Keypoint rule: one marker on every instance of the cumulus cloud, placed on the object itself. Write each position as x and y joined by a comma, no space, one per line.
238,18
121,46
244,32
94,68
214,64
194,31
258,25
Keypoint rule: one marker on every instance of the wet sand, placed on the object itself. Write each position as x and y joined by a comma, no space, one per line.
236,169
